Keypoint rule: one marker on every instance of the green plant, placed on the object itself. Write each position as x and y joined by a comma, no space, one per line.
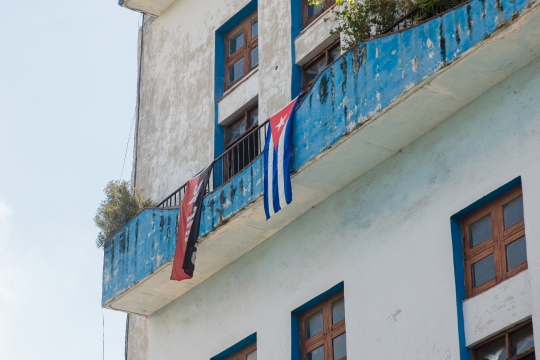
121,204
359,20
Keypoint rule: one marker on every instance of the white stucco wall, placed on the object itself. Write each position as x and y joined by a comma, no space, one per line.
386,235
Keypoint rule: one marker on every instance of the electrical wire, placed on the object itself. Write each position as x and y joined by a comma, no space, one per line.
103,331
127,145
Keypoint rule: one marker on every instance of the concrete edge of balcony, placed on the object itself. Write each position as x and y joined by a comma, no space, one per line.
150,7
367,106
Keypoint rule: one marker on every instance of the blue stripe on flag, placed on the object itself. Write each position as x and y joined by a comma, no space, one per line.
274,205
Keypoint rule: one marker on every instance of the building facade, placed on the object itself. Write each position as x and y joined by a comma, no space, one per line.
412,233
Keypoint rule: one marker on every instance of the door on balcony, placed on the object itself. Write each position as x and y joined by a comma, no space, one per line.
242,142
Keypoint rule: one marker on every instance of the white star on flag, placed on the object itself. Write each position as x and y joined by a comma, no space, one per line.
281,123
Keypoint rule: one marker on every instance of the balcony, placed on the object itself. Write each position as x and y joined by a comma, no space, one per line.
364,108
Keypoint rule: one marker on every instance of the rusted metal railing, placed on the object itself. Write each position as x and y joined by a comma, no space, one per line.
422,13
236,158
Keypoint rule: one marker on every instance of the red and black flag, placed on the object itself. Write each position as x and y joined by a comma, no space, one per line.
188,227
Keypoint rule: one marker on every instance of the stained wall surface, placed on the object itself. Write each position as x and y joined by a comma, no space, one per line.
386,236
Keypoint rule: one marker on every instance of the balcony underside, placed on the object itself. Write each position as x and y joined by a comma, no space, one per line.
362,110
151,7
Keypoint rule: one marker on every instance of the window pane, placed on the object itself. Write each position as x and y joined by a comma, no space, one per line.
317,354
312,10
513,212
253,117
495,350
516,253
236,70
235,131
521,340
483,270
480,230
254,28
252,355
314,69
334,53
338,310
340,347
236,42
314,324
255,56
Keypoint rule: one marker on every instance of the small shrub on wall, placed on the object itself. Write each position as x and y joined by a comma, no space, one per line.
359,20
121,204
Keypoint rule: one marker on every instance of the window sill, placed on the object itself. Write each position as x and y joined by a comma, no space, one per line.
314,38
318,19
239,83
497,309
242,95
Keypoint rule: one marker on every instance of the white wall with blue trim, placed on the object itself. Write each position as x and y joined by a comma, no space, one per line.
387,236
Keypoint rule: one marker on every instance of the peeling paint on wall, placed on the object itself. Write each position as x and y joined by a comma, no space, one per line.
138,249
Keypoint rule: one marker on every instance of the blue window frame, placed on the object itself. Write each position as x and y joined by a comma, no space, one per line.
458,254
246,347
334,343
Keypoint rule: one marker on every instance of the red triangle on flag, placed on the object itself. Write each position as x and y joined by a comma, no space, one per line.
279,121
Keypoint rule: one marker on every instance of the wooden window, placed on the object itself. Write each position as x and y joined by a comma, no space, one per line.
323,330
312,12
247,353
312,69
516,344
494,242
242,50
242,143
248,120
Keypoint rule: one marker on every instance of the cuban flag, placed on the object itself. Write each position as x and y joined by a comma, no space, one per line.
277,155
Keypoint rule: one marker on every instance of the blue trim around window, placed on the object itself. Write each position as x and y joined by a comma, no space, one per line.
459,264
219,69
296,29
236,347
297,313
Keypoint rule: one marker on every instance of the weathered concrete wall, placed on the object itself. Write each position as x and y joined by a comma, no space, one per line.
275,56
386,235
176,126
137,348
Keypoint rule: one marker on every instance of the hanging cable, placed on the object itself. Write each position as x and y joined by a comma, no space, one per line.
103,331
127,145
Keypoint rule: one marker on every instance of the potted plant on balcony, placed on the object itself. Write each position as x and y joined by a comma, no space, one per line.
121,204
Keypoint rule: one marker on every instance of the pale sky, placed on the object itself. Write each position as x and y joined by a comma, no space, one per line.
68,71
